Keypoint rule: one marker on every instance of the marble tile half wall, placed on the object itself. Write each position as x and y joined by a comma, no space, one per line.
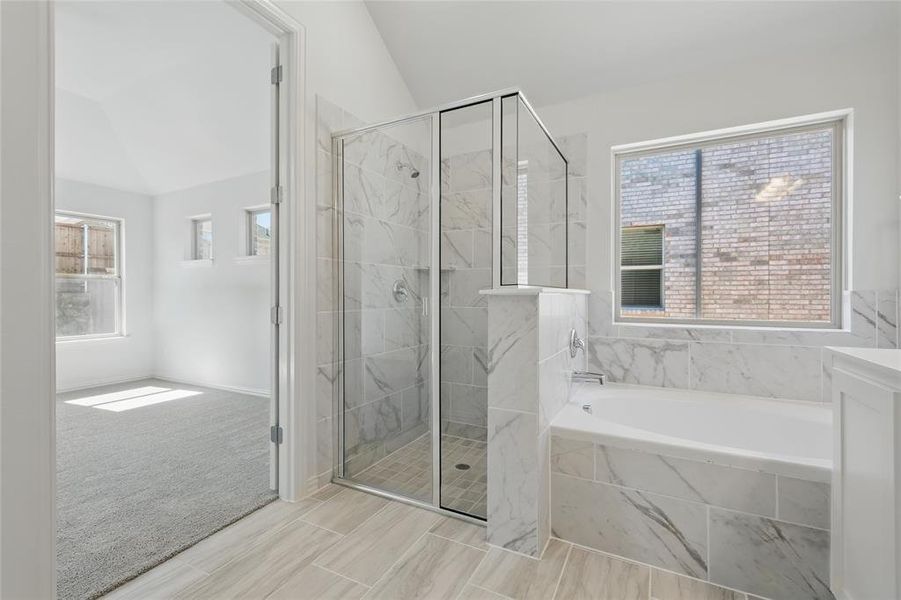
775,363
529,374
758,532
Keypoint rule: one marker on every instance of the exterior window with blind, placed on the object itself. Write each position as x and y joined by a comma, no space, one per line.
88,276
728,228
259,232
642,268
202,238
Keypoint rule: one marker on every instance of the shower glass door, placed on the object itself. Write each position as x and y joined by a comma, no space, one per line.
384,177
467,164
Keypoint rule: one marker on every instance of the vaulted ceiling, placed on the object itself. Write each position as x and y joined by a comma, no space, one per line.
154,97
562,50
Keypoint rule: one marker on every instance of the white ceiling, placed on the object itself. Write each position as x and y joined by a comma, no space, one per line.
562,50
154,97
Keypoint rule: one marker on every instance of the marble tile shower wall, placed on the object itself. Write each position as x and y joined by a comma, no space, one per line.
465,269
386,240
553,203
777,363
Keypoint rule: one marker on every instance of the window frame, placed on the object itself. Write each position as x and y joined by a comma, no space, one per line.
839,121
249,214
119,256
194,222
661,267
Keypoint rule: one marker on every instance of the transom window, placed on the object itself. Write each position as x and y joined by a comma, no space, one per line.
732,229
88,276
259,232
202,238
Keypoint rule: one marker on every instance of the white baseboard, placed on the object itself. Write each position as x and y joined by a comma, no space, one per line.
101,382
118,380
224,388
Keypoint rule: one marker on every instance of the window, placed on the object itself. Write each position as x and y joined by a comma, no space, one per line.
642,268
202,238
259,232
733,228
88,276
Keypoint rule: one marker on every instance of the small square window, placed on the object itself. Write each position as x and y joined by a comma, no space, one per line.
202,234
259,232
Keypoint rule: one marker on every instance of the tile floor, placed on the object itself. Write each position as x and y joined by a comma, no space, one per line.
408,472
344,544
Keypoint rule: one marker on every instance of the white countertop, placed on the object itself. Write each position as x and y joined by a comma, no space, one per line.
528,290
886,359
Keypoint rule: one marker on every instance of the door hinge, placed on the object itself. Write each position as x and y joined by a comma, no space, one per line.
276,75
276,434
275,195
275,315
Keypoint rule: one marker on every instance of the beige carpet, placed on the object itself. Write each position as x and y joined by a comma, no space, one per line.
147,473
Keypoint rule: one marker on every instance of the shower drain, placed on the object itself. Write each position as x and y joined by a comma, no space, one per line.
461,467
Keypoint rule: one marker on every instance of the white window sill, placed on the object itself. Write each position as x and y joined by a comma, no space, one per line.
92,338
729,327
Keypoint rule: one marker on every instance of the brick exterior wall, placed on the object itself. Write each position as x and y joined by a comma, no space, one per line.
766,226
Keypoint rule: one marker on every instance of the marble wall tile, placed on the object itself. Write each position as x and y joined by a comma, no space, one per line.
480,367
326,285
464,326
403,328
415,406
464,286
325,338
669,586
554,380
456,249
468,404
324,436
325,229
364,192
772,371
739,489
513,473
513,352
685,334
466,210
767,557
456,364
325,390
600,314
471,171
481,249
364,333
572,457
372,423
646,362
887,318
805,502
391,372
464,430
406,204
653,529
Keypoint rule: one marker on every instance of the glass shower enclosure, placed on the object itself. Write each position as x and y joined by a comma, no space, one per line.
431,210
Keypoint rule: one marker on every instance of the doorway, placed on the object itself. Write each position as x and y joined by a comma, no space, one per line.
168,309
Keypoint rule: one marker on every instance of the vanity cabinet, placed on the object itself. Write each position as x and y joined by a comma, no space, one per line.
865,386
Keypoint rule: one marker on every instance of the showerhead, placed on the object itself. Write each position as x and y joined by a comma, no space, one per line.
400,166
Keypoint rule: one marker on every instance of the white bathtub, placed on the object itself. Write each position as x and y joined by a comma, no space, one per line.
787,438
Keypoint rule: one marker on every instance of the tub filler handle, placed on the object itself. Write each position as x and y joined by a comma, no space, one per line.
575,343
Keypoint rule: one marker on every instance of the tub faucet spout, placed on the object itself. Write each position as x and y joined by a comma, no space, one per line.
589,377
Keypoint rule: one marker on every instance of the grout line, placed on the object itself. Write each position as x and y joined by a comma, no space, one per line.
650,584
562,569
444,537
707,532
318,566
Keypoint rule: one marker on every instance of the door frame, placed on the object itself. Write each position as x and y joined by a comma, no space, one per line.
28,386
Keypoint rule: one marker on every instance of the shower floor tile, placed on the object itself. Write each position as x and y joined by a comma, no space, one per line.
407,471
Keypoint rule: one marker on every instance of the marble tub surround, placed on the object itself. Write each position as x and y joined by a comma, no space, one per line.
763,533
771,362
529,373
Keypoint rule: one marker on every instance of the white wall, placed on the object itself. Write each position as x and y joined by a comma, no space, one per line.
211,319
85,363
862,76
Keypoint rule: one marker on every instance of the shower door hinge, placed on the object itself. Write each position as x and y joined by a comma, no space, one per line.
275,315
276,434
276,75
275,195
